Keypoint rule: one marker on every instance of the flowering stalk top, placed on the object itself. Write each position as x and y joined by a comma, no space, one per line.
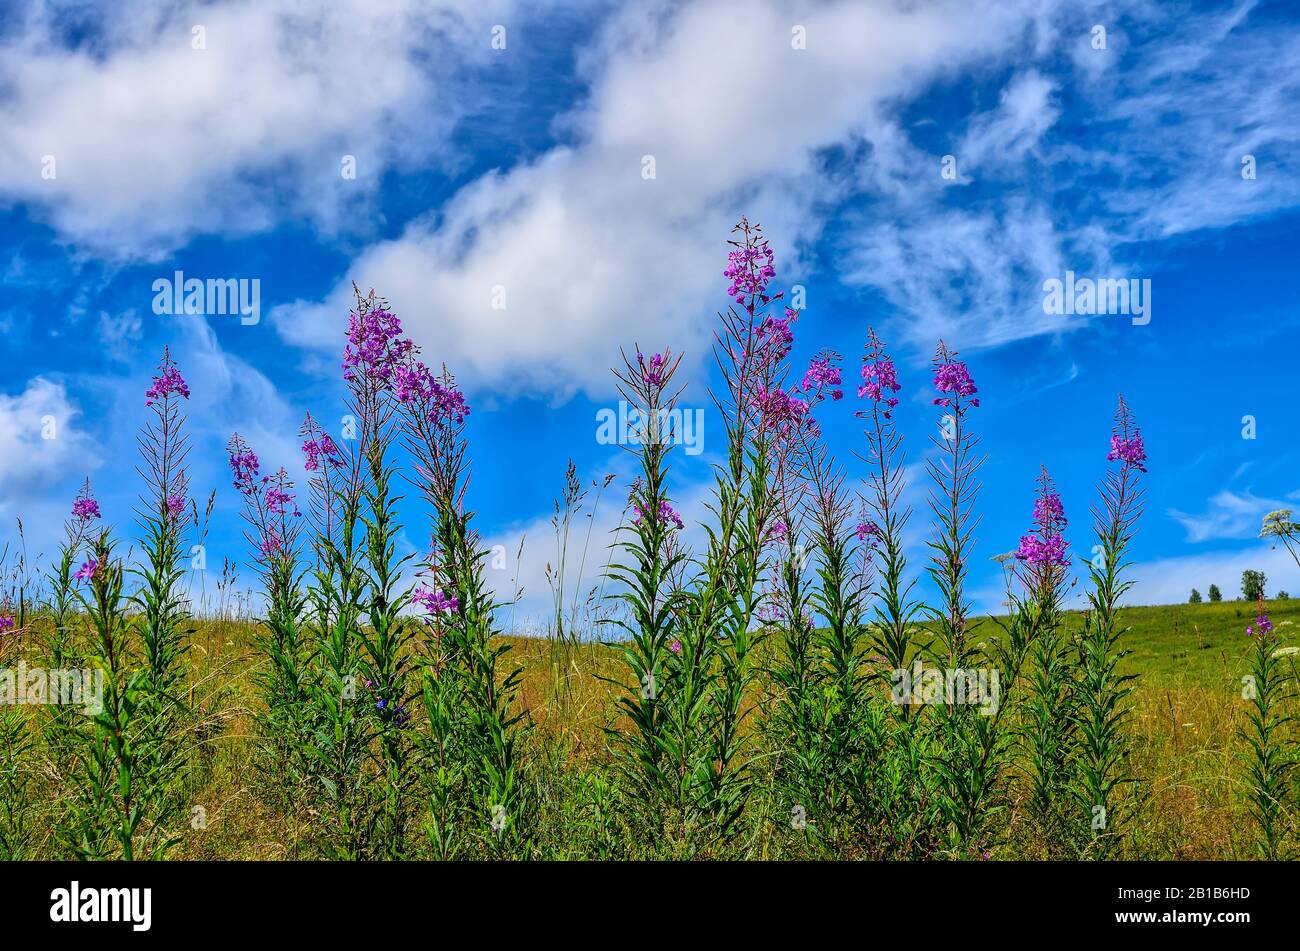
750,266
952,376
85,508
1044,549
375,347
244,465
879,376
1126,444
167,382
1262,626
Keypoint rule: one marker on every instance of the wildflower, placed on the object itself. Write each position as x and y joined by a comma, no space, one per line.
1130,451
435,602
666,514
85,508
777,532
867,530
166,383
953,377
279,500
653,372
321,449
675,647
1046,545
878,376
820,374
272,544
175,505
776,336
1126,444
375,347
1262,624
6,623
779,410
243,464
750,267
87,570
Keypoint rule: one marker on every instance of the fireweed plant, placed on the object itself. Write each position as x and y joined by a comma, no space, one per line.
273,532
1102,692
1268,759
1048,731
474,775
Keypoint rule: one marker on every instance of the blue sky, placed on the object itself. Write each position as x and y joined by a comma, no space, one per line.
210,138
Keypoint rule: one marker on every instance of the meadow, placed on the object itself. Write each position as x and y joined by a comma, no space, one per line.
784,691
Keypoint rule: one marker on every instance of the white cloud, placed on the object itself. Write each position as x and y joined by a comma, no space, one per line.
154,141
1229,514
40,443
589,253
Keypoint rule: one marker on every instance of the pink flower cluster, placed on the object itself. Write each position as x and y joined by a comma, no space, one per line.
750,267
6,623
822,373
652,371
879,376
375,347
867,530
776,336
165,384
416,387
280,501
1130,451
1262,624
85,508
434,601
667,514
244,465
779,410
320,450
175,505
953,377
1046,546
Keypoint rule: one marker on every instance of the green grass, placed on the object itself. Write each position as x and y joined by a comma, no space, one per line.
1186,711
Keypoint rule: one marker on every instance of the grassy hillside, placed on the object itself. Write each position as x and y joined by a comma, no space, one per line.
1186,711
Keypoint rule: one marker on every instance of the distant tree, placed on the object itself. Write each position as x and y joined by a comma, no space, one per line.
1283,596
1215,593
1252,584
1195,598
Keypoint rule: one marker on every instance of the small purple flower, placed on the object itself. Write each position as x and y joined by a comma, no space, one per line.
375,347
280,501
653,370
87,570
1126,444
244,465
175,505
1262,624
435,601
675,647
953,377
6,623
867,530
320,451
271,544
1130,451
166,383
750,267
667,514
822,373
85,508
